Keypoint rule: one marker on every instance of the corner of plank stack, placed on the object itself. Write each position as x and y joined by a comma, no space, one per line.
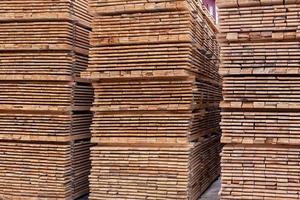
260,113
154,69
44,104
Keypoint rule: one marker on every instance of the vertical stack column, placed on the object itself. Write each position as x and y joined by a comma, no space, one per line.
260,119
44,106
154,69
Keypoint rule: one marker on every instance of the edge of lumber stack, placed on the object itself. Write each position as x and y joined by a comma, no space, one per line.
154,70
260,63
44,104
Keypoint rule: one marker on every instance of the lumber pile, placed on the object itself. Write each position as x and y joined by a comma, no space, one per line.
153,172
260,112
51,10
44,104
32,170
154,70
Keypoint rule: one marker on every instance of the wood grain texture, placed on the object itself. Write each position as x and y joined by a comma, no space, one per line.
154,70
44,105
259,42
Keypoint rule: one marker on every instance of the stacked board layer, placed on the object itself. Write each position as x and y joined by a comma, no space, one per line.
260,64
154,71
44,104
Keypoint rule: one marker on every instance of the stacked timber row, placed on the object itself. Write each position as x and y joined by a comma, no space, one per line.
154,69
44,105
260,118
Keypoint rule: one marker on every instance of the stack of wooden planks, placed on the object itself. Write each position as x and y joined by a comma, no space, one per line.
154,70
260,112
44,104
